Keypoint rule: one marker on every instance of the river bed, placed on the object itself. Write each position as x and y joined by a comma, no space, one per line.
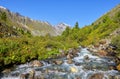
83,66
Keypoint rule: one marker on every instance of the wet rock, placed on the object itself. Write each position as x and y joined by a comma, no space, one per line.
116,60
97,76
32,74
117,77
58,62
113,77
37,63
46,71
73,52
77,78
102,53
24,76
77,64
70,61
111,67
73,69
6,71
40,77
69,56
86,57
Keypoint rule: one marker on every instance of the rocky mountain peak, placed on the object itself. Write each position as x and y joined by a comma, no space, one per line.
60,28
3,7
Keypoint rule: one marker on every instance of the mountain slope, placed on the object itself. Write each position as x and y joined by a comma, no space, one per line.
60,28
100,29
103,27
36,28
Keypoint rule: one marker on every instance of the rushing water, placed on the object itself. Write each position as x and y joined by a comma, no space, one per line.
81,68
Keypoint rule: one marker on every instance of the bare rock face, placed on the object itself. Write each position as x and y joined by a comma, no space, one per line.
97,76
59,28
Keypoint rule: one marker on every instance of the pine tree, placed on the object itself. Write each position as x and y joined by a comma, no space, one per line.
76,25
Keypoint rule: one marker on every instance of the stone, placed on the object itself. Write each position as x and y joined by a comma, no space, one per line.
69,56
77,64
31,74
96,45
37,63
73,69
70,61
117,77
102,53
58,62
110,77
102,42
114,77
86,57
97,76
22,76
77,78
6,71
111,67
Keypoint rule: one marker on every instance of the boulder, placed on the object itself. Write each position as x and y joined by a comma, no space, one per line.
69,56
96,76
31,74
86,57
6,71
37,63
111,67
117,77
114,77
58,62
102,53
73,69
24,76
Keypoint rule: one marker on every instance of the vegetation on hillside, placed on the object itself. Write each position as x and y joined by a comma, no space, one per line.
116,42
20,50
98,30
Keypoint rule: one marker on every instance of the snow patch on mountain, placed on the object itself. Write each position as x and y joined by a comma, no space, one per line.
2,7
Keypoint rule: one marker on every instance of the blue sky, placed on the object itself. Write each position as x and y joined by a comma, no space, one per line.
57,11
